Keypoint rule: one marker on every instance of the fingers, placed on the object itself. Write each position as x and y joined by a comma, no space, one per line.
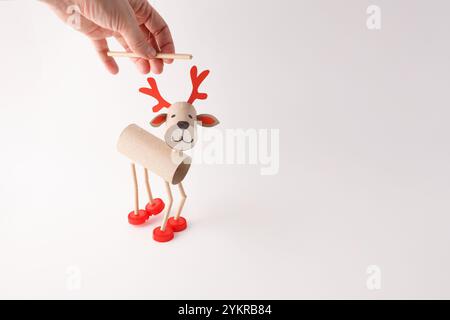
160,32
156,25
143,65
165,42
138,27
101,46
135,38
157,65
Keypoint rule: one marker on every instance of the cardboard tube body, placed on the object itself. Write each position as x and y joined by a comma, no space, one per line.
152,153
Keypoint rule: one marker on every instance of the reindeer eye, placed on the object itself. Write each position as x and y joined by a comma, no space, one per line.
173,116
190,116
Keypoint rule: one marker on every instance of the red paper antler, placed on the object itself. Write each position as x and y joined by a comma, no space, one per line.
154,92
196,81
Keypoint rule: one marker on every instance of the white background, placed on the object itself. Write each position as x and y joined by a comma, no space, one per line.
364,155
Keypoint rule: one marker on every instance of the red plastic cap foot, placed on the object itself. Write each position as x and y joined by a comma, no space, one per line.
155,208
177,225
138,219
163,236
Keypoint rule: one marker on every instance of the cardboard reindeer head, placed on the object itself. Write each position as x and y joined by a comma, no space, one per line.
181,118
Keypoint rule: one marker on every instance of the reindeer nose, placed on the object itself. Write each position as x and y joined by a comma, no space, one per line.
183,124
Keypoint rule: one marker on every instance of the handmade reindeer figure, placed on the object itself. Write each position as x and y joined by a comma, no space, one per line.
165,157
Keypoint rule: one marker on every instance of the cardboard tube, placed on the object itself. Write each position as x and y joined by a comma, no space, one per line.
154,154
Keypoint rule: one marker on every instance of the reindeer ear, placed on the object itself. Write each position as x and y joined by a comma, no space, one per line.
159,120
207,120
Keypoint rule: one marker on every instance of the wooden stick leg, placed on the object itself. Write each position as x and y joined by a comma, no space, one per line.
169,207
147,185
182,201
136,191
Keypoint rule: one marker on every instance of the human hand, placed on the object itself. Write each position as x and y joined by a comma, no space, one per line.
135,24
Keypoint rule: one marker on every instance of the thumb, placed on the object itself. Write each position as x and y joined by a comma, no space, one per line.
137,40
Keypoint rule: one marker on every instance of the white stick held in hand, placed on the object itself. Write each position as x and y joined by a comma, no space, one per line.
175,56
